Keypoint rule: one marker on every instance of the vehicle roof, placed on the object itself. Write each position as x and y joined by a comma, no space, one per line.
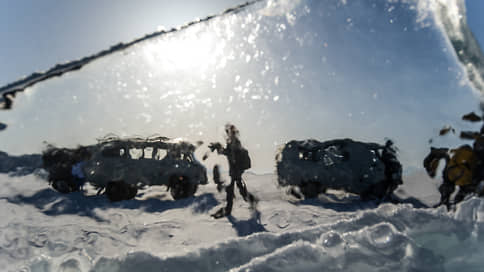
154,141
312,144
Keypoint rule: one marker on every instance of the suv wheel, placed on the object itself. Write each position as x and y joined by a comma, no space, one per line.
376,191
181,187
119,190
63,186
309,189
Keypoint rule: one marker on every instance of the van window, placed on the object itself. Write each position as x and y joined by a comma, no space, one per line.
160,154
136,153
149,153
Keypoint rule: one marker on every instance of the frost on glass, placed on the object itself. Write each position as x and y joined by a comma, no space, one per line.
279,70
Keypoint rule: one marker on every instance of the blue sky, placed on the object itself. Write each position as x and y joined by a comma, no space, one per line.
38,34
475,8
376,75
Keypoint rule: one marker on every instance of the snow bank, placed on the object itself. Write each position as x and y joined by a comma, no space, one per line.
388,238
43,230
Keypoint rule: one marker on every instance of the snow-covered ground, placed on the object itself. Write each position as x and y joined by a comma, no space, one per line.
42,230
280,70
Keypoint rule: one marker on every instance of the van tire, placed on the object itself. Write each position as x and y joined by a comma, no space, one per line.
181,187
119,190
63,186
309,189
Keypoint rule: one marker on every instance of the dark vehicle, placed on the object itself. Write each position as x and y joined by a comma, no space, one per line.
368,169
123,165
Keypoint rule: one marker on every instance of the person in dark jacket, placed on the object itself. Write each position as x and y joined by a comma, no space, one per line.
239,161
461,170
393,168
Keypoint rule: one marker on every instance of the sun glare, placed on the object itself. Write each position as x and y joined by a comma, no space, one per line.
194,51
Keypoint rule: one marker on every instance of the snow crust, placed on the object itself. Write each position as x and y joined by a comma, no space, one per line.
43,230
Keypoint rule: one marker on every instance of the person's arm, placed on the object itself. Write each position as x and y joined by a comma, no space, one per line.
431,162
217,146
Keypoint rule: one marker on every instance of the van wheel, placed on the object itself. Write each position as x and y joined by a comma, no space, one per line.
63,186
119,190
181,187
376,191
132,191
309,189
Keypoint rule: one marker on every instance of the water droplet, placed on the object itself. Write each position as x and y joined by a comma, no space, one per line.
331,239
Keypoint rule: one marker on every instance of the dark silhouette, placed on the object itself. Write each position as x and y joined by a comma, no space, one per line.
309,167
7,99
59,163
472,117
393,168
459,170
446,130
239,160
463,166
217,179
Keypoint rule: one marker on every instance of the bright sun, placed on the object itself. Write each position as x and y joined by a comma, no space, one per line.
193,50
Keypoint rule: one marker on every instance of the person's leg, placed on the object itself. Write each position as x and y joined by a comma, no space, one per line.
446,190
463,192
230,197
227,210
242,188
248,197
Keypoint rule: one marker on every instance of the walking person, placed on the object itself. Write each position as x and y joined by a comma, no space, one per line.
239,161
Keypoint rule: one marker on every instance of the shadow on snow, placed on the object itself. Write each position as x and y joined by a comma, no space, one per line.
52,203
249,226
353,203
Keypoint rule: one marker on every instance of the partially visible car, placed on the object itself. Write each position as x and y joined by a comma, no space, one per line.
369,170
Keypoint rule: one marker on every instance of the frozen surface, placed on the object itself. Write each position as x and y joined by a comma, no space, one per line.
42,230
279,70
